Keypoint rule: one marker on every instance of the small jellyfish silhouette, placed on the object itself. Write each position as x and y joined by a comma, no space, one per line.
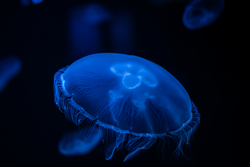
201,13
132,100
29,2
85,36
80,142
9,68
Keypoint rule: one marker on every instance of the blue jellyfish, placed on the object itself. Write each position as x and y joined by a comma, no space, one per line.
9,68
85,36
201,13
28,2
132,100
80,142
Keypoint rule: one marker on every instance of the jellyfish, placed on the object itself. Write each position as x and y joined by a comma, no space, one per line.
134,101
9,68
28,2
201,13
85,35
80,142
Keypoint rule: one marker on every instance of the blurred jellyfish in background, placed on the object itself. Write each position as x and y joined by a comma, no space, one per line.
29,2
80,142
121,31
85,36
9,68
201,13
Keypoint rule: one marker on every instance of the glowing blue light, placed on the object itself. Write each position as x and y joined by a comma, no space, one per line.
9,68
28,2
79,142
37,1
134,101
85,36
201,13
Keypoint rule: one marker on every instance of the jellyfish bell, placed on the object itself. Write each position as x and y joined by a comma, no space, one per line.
29,2
80,142
10,66
201,13
133,100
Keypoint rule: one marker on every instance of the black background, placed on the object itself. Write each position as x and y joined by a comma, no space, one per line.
32,125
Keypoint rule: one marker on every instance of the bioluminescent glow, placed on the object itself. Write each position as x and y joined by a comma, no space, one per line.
85,36
36,1
29,2
133,100
201,13
9,68
80,142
